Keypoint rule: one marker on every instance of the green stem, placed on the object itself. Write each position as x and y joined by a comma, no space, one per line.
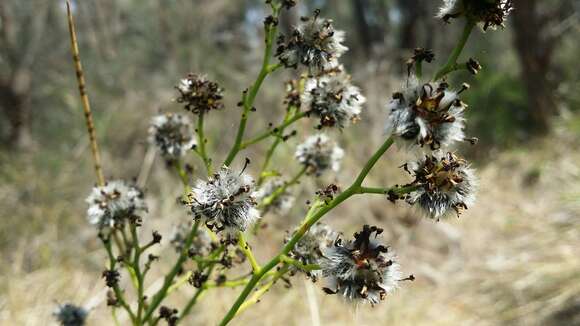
201,140
398,190
161,294
249,98
270,153
296,263
137,270
245,248
278,192
276,131
118,293
311,220
452,61
263,289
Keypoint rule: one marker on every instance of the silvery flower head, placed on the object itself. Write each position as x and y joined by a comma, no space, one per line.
426,115
199,95
446,184
172,134
310,248
201,244
361,270
319,153
488,13
314,43
70,315
333,98
282,203
114,202
225,201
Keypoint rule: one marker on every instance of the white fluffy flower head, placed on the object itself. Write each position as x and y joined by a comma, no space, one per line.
314,43
426,115
319,153
488,13
172,134
282,203
333,99
446,184
225,201
361,270
114,202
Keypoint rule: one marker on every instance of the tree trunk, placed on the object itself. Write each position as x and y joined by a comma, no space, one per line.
534,49
16,109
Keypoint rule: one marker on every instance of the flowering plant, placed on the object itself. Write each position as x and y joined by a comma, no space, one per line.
425,117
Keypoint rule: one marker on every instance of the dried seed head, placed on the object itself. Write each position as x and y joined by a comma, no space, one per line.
488,13
314,43
426,114
225,201
172,134
199,95
361,270
333,99
114,202
201,244
282,203
319,153
309,249
473,66
293,94
446,184
70,315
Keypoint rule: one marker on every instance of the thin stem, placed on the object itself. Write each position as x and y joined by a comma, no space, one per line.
274,146
298,264
84,97
397,190
278,192
249,98
137,269
201,140
452,61
263,289
161,294
118,293
276,131
245,248
304,227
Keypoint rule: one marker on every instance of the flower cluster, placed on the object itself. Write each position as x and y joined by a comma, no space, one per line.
445,183
319,153
488,13
314,43
280,203
332,98
309,250
199,95
114,202
426,114
225,201
361,269
70,315
172,134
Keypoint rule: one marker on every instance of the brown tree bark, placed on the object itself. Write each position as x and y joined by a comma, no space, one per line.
535,46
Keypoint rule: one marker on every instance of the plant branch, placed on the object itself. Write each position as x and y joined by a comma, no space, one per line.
84,97
312,217
245,248
276,131
452,61
201,140
250,96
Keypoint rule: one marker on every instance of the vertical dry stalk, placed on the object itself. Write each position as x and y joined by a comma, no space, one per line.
84,97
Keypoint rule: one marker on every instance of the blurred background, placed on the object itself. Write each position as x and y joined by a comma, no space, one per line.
512,259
